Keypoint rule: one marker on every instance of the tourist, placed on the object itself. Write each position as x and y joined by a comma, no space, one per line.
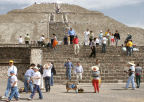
112,39
107,34
91,37
86,37
55,42
129,47
138,72
104,42
41,71
27,39
128,38
47,76
71,34
14,89
27,78
42,40
36,81
65,40
53,72
95,74
20,40
93,49
78,71
68,65
11,68
52,39
116,37
97,41
100,37
76,45
97,63
131,72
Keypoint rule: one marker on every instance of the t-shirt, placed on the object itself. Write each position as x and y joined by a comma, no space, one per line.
138,70
97,41
20,40
42,39
104,40
12,68
129,44
96,75
37,81
86,34
13,79
132,68
75,41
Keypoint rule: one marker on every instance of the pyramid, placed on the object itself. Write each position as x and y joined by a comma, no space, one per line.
39,19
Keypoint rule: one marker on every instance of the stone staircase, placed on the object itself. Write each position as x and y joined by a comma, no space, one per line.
113,63
57,28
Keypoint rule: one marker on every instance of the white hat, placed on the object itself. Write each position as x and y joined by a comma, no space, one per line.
95,68
101,31
131,63
35,67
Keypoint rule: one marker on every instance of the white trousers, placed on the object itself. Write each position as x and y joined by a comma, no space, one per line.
76,49
79,76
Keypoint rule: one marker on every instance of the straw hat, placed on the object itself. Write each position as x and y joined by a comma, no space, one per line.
131,63
95,68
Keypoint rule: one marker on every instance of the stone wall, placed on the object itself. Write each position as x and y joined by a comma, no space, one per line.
36,56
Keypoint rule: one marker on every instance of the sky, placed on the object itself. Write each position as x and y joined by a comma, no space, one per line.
129,12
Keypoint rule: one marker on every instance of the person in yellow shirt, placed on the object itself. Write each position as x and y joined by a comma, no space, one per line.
129,47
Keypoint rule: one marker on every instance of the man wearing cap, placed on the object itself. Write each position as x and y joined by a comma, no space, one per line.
68,65
27,78
11,68
14,89
131,72
36,78
95,74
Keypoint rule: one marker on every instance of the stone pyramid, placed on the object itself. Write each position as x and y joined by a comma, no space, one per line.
39,19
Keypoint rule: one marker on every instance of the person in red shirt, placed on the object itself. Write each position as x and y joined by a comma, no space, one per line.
76,45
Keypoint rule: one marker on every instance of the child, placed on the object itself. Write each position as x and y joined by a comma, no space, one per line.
14,90
112,39
36,81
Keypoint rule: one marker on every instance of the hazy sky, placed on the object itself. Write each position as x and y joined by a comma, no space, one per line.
129,12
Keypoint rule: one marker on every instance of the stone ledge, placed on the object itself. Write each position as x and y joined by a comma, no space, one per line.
17,61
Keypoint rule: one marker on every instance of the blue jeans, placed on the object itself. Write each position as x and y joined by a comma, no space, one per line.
8,87
14,93
131,79
129,51
68,73
26,84
36,88
116,40
103,48
52,80
47,83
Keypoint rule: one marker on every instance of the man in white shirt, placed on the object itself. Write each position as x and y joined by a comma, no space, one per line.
47,76
104,42
20,40
11,68
78,71
86,37
131,72
41,41
36,78
14,89
27,78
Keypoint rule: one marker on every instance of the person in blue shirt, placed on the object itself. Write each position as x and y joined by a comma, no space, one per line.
71,34
27,78
68,65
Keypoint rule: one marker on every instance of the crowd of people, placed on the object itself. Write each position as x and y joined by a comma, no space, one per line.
102,39
33,77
